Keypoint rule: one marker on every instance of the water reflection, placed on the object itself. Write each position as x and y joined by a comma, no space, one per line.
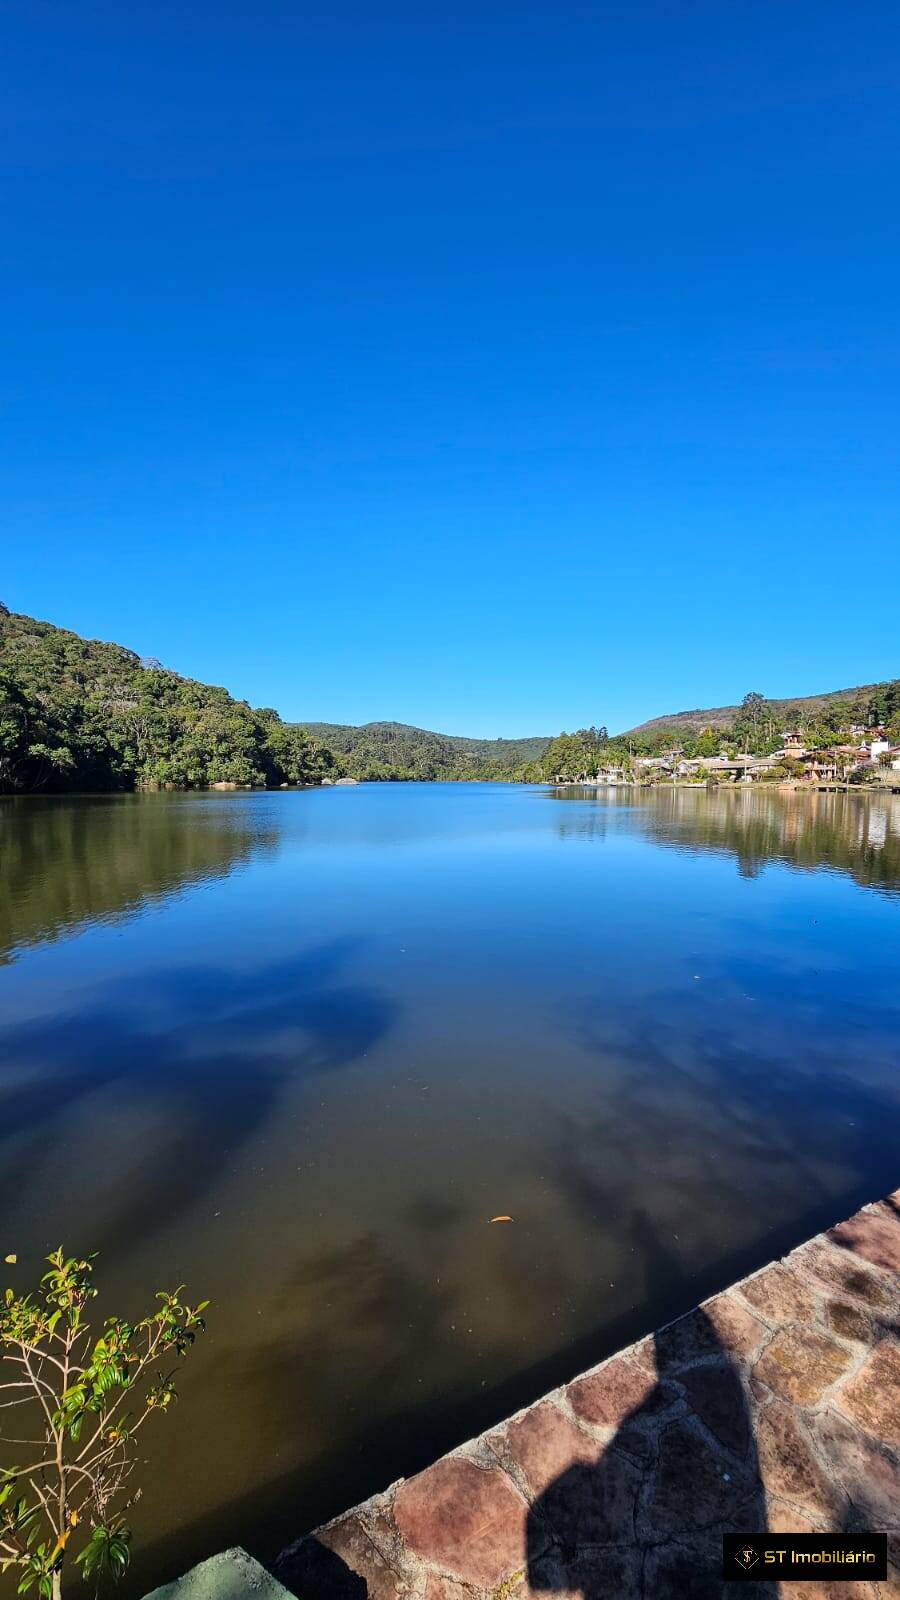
854,833
201,1055
304,1046
67,862
718,1113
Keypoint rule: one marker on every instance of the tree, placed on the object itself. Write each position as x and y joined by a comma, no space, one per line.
13,731
708,743
569,757
752,713
756,726
835,716
65,1389
578,756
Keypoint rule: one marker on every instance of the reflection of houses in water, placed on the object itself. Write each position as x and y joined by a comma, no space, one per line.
872,827
806,828
858,835
876,828
792,821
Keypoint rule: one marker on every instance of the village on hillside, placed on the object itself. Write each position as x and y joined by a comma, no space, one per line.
870,759
836,752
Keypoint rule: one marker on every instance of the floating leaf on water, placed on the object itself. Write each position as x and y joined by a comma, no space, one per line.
11,1259
501,1219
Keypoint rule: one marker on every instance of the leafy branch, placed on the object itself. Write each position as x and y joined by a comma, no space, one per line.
77,1398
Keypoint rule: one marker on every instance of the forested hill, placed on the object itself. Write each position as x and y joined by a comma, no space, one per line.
79,714
396,750
802,710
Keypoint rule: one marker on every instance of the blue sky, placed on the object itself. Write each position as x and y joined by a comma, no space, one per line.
493,367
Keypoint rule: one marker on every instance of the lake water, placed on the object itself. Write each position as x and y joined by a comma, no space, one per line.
296,1050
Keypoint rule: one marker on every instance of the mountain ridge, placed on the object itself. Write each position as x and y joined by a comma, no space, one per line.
380,749
344,736
76,713
723,716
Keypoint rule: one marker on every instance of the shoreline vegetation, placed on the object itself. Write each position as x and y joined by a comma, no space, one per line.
79,715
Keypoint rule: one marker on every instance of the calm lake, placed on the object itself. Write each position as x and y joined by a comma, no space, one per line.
296,1049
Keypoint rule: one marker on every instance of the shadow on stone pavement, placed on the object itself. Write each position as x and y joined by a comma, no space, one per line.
772,1407
681,1469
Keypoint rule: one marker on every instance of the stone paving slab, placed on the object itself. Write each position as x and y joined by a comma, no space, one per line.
774,1405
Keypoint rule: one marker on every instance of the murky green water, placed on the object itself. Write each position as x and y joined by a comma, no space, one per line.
296,1050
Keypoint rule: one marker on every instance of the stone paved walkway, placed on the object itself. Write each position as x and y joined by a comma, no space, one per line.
773,1405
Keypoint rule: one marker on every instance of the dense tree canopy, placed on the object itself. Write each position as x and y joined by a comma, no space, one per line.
394,750
79,714
580,756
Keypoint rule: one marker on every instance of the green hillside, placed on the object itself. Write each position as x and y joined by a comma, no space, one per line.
396,750
79,714
864,704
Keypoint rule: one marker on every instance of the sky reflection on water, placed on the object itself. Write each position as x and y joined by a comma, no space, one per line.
296,1049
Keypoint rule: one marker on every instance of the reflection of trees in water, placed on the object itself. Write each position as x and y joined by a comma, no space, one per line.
857,834
66,862
583,822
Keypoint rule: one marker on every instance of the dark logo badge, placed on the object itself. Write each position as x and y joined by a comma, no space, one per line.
746,1557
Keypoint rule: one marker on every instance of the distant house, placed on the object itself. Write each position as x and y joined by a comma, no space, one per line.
865,735
835,763
793,748
742,768
655,763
